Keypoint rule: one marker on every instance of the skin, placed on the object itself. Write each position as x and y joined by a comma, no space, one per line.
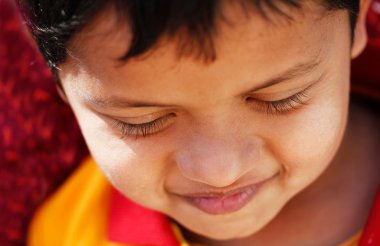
217,136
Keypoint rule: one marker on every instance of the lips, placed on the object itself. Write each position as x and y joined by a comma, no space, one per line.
224,203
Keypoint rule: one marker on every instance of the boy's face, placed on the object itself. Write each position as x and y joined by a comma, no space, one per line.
231,141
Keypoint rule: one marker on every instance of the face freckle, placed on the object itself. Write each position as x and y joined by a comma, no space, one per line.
202,141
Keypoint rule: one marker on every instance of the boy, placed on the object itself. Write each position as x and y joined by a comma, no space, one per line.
228,117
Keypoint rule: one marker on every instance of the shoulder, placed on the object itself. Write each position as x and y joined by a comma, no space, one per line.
76,213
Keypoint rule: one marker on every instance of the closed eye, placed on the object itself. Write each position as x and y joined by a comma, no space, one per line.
143,129
282,106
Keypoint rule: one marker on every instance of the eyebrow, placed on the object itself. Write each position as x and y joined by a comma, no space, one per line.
291,73
298,70
118,102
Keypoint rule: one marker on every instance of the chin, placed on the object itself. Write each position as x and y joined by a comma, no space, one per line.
224,234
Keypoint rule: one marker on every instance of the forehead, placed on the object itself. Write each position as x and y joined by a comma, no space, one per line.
244,41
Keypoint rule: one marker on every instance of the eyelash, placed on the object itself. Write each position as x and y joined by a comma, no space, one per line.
282,106
144,129
270,107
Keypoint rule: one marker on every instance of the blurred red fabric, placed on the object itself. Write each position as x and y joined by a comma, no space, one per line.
40,140
366,68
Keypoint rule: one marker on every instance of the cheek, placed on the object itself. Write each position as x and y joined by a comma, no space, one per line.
306,142
135,168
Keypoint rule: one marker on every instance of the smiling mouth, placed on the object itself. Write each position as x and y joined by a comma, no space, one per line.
224,203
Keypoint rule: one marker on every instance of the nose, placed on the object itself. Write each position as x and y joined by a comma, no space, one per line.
217,161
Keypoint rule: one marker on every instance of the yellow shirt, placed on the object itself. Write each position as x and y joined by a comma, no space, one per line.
77,214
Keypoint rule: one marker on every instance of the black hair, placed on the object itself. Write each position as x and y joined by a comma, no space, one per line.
54,22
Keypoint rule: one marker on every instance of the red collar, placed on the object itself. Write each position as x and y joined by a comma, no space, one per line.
371,233
130,223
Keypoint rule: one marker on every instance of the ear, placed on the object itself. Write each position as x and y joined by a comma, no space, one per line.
61,93
360,34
